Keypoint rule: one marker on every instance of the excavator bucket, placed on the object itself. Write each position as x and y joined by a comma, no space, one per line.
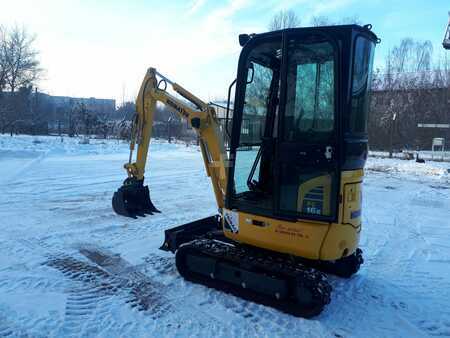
133,199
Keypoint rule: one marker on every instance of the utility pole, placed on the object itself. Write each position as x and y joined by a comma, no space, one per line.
391,134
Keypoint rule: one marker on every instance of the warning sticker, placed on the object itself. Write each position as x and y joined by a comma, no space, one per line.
231,219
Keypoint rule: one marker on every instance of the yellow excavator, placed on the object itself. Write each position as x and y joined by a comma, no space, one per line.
288,182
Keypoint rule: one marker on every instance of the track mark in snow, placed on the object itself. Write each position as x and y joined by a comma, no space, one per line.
436,327
80,306
5,327
109,279
440,187
8,329
146,293
162,265
427,202
17,173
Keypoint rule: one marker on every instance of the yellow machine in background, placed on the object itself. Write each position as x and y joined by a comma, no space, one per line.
288,188
446,41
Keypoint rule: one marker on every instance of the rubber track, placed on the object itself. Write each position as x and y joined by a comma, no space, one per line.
255,260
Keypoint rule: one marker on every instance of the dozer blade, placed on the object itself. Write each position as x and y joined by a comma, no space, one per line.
133,199
209,227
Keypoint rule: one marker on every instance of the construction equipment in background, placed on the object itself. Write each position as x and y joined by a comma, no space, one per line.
288,188
446,41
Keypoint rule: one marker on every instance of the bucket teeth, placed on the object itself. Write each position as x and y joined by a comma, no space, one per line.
132,199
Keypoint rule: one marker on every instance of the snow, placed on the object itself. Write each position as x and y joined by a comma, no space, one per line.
55,206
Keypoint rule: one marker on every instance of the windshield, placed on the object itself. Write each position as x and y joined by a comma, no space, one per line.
362,72
310,90
252,175
255,104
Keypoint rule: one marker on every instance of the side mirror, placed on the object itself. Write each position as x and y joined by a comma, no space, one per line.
228,107
251,72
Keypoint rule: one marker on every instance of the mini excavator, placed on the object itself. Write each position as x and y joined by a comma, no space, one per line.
287,181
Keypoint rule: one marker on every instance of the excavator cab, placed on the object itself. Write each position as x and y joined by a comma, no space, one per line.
300,120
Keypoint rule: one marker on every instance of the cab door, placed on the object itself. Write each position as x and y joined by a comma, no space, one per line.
306,152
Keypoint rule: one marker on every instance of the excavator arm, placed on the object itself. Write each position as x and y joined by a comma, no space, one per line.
133,198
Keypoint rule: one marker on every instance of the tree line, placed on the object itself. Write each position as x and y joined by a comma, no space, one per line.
19,63
20,70
411,87
24,110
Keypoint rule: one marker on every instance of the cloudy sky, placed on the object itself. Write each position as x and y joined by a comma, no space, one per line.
102,48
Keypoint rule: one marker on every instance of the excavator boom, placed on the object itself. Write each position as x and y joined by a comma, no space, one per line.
133,198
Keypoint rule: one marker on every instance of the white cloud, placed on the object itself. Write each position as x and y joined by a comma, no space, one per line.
323,7
307,8
94,48
195,6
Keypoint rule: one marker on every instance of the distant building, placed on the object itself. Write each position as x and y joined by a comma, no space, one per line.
27,110
421,114
59,110
98,106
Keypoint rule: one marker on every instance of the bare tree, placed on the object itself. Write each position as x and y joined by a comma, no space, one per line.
350,20
411,56
284,19
19,71
322,20
408,92
126,111
3,58
442,73
21,58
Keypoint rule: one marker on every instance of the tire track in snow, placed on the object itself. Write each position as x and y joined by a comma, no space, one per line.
9,328
19,171
108,277
146,290
135,289
173,293
80,306
146,293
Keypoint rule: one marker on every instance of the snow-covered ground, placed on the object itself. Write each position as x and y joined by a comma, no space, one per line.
70,267
438,156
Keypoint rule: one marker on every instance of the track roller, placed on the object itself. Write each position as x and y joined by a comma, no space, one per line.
254,275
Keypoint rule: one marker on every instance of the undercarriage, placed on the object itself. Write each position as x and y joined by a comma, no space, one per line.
291,284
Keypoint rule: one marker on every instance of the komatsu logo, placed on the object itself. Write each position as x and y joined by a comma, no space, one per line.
177,108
